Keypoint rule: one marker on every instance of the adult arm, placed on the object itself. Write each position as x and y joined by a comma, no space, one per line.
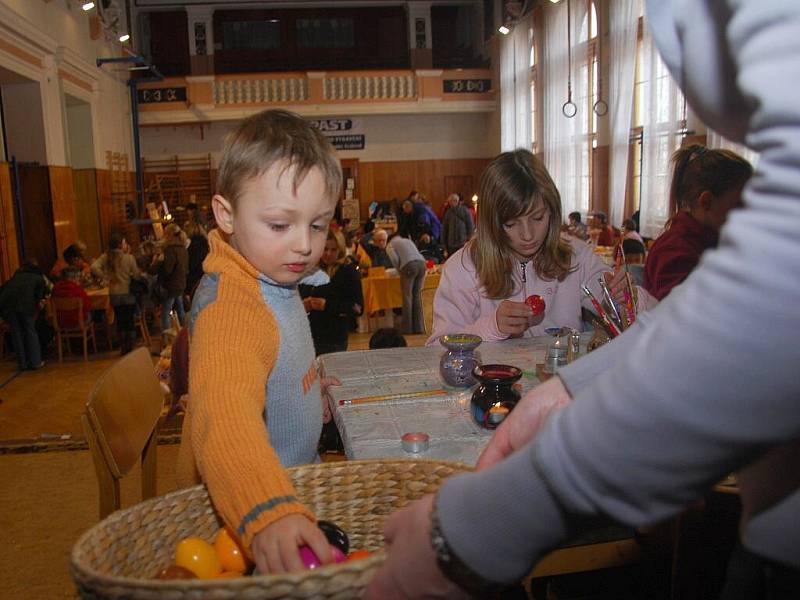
698,393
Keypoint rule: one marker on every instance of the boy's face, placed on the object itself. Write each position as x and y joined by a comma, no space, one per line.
280,232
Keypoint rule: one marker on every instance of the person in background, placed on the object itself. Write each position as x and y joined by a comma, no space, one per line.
430,249
411,265
629,231
433,225
172,270
457,227
21,299
69,287
576,227
356,253
72,256
695,390
332,307
413,218
517,252
387,337
118,267
376,248
706,185
197,251
606,235
255,403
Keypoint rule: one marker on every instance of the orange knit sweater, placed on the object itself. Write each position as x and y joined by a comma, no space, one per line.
234,345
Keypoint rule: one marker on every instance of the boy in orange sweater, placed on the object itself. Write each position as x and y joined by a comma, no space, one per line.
255,403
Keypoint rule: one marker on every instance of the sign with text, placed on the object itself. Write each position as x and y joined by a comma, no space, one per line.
466,86
336,126
165,94
347,142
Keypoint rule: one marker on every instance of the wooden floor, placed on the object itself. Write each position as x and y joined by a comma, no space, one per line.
47,499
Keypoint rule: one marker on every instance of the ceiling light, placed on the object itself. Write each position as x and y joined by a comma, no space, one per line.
555,1
504,30
124,37
87,6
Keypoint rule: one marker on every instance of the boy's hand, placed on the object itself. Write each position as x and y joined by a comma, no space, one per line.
317,303
514,318
276,548
324,384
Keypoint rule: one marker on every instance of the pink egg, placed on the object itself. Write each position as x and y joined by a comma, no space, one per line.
311,561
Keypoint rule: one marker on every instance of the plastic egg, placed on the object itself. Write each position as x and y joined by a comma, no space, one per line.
199,557
229,551
335,534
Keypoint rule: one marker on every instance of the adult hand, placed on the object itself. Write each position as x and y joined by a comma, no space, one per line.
514,318
525,421
275,548
410,570
307,304
324,387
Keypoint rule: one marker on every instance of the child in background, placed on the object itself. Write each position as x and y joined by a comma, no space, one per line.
255,404
517,251
69,287
706,185
387,337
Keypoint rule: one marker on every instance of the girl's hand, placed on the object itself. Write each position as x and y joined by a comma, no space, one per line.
617,284
514,318
275,548
317,303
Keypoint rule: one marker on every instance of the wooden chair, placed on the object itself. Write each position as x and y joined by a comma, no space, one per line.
83,329
121,424
427,308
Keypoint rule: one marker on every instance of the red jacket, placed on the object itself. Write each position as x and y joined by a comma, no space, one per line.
69,289
676,253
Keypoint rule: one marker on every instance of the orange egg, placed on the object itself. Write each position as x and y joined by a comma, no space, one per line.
359,554
228,575
199,557
230,553
175,572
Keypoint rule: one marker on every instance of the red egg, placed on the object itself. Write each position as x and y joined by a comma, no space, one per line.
429,263
536,304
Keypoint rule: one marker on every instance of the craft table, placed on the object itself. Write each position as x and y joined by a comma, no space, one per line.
373,429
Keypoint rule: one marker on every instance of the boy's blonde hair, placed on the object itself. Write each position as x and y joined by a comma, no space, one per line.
270,137
511,186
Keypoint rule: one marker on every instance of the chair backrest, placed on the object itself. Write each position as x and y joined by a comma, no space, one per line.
427,308
376,272
70,305
124,408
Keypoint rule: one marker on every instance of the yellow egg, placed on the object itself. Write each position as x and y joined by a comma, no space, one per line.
230,553
199,557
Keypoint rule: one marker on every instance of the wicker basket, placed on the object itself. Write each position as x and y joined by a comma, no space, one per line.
118,557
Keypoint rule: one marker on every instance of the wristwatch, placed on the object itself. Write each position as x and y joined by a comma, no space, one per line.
455,569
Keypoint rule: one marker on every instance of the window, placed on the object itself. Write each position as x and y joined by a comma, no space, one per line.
534,100
325,33
251,35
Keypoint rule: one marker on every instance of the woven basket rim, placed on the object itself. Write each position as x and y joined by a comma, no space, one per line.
85,572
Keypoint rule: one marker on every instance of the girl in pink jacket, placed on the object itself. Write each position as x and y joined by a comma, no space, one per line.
517,252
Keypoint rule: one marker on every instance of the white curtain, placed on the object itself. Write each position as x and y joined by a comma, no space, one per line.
662,106
621,58
715,140
566,144
515,87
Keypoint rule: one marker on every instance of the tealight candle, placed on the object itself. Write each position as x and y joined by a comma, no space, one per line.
415,442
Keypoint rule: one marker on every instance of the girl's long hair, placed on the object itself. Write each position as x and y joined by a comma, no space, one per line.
513,185
697,169
341,252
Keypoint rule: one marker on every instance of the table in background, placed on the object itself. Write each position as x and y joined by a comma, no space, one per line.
101,301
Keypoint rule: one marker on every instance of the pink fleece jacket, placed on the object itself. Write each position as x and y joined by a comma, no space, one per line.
461,305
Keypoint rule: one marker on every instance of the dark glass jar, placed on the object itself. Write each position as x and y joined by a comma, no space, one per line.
460,359
495,396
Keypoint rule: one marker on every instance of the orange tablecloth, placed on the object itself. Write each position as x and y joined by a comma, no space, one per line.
101,301
385,292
